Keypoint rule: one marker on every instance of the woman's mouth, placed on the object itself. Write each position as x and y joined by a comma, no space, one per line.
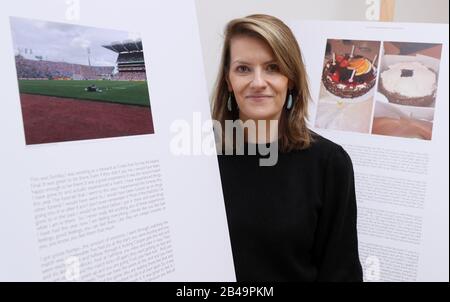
258,97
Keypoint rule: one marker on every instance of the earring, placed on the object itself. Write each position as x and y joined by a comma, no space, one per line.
230,108
289,101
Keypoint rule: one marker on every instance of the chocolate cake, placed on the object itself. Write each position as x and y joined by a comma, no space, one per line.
349,77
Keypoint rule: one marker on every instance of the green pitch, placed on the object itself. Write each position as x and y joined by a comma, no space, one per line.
123,92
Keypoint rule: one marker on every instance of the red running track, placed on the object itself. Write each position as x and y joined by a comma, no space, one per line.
52,119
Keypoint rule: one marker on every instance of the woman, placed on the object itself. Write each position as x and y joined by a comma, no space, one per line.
294,220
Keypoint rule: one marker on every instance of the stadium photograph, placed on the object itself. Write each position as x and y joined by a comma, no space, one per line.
78,82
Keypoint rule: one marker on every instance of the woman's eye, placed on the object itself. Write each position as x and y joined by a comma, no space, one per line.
242,69
273,68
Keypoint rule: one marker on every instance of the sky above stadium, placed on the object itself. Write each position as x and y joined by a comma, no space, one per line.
61,42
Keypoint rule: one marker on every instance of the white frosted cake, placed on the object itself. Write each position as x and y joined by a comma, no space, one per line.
409,83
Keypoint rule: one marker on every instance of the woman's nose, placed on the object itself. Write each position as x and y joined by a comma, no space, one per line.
258,80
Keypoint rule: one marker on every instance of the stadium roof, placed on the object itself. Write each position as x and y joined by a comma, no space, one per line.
125,46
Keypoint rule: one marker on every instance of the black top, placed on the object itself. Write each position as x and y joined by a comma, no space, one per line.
296,220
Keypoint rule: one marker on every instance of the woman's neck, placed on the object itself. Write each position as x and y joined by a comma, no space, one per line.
260,131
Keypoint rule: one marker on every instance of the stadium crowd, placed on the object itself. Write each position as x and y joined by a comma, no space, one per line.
130,76
34,69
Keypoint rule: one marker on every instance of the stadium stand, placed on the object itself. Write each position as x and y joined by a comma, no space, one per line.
41,69
130,66
130,60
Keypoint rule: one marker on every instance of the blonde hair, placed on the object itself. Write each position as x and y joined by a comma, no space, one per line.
293,132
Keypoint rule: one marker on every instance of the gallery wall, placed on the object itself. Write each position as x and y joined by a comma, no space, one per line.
213,15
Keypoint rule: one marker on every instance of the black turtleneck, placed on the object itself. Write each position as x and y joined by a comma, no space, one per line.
296,220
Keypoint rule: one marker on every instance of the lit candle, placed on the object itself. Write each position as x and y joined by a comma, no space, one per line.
353,50
334,58
353,74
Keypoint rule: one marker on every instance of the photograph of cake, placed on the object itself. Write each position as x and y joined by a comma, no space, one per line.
347,85
407,88
349,76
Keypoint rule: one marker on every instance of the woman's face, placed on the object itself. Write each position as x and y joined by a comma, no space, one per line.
255,79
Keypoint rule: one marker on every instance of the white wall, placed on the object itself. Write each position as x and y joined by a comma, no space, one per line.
430,11
214,14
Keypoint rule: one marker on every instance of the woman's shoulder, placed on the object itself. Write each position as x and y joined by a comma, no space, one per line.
327,151
323,145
